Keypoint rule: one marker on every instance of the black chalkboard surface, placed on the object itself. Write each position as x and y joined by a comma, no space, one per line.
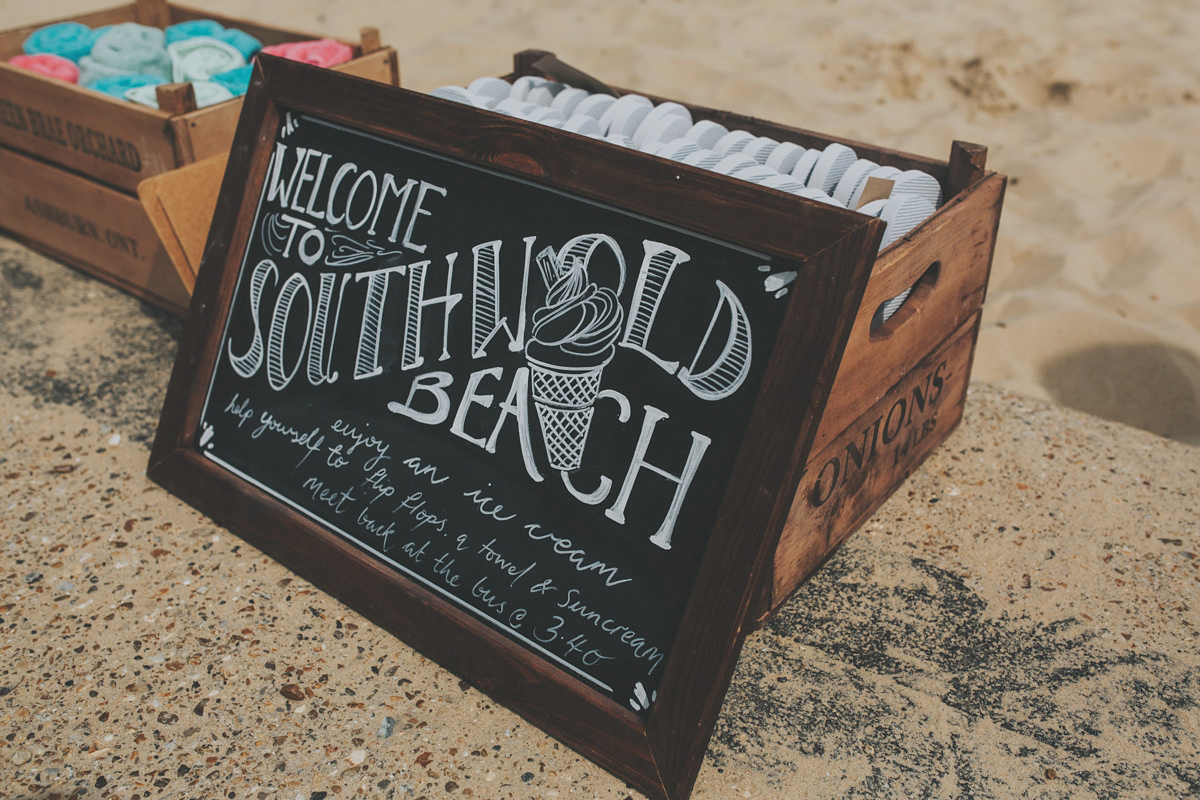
525,400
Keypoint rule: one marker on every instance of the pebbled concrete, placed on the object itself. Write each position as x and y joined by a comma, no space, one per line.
1019,620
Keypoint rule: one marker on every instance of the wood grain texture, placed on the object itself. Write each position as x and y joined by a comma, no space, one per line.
155,13
92,227
959,239
847,480
175,98
966,167
880,367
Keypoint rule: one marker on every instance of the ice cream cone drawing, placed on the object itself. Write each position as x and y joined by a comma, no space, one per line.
572,338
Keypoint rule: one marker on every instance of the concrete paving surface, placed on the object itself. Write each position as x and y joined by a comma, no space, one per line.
1019,620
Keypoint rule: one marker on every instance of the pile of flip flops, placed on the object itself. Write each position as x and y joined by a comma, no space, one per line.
833,174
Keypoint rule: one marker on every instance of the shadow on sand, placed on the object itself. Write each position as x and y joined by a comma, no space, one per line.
1148,386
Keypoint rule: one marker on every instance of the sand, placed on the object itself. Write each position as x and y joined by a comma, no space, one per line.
1093,111
1018,621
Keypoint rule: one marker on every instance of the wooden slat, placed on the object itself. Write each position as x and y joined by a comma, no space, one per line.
368,38
99,230
111,140
967,166
155,13
960,240
855,473
176,98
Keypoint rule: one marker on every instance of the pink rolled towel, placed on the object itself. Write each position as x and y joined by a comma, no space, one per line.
48,64
321,52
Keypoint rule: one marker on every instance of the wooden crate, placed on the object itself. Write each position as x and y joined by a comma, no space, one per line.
89,225
901,386
121,143
76,157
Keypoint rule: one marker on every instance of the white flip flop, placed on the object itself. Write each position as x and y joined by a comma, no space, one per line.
804,165
733,141
594,105
546,116
835,159
760,148
678,149
494,88
703,158
755,174
567,100
854,177
514,107
544,94
903,213
664,110
623,116
784,183
582,124
661,129
732,162
873,208
784,157
920,183
707,133
523,85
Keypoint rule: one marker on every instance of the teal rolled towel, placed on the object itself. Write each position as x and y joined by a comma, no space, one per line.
200,57
72,40
235,80
244,42
127,48
192,27
118,85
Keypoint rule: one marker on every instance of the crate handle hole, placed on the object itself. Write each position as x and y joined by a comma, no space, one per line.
894,312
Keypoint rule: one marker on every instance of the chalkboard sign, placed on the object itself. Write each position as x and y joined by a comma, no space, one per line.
533,404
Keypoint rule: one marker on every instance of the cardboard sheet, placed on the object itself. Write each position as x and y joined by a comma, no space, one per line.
180,204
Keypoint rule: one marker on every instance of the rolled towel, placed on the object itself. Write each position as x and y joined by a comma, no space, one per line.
244,42
207,93
71,40
143,95
236,80
49,65
192,27
127,48
210,92
321,52
198,58
118,85
92,72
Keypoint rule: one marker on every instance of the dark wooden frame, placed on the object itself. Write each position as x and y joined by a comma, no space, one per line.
831,249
